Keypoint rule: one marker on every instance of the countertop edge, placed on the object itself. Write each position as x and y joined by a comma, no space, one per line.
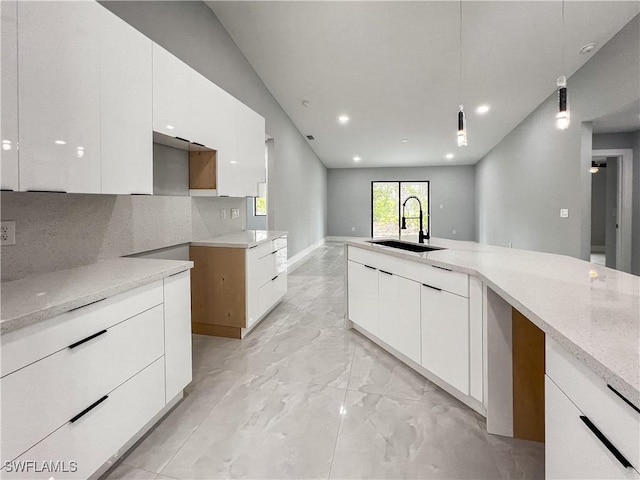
246,245
574,349
18,323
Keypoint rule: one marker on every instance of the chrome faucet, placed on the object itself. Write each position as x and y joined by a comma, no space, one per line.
421,234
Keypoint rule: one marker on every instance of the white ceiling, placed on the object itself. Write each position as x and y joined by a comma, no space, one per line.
626,120
393,67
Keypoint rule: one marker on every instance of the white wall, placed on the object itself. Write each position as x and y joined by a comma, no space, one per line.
536,170
349,197
297,178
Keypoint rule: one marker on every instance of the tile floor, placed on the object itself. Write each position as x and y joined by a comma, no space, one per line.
301,397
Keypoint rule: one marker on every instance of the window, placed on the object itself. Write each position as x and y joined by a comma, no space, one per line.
260,206
386,208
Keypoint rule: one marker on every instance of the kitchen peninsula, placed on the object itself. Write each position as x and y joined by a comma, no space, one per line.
468,316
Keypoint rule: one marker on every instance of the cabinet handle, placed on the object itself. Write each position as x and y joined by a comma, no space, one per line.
177,273
199,144
372,268
433,288
77,308
88,409
275,251
615,452
274,278
388,273
46,191
183,139
84,340
626,400
442,268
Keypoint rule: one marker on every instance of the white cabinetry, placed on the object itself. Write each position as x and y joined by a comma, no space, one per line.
9,96
59,96
591,430
445,336
266,278
171,92
125,110
79,386
399,311
363,296
250,154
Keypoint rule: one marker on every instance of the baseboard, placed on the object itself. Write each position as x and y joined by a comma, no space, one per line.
342,239
298,257
598,248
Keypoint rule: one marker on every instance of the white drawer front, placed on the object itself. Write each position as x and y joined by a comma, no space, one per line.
618,421
261,250
40,398
281,260
279,243
265,270
454,282
95,437
271,292
47,337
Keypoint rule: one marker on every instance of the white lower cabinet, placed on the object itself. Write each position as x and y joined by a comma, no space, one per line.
445,336
92,440
572,449
363,296
399,313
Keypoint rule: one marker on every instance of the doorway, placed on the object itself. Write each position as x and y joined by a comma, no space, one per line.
611,204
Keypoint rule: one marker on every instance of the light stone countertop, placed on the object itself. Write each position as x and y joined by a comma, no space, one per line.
243,239
39,297
591,310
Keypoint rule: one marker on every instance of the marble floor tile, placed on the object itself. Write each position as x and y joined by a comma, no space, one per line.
385,437
264,428
124,471
517,459
155,451
376,371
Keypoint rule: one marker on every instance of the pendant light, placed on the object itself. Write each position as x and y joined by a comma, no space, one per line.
462,124
562,117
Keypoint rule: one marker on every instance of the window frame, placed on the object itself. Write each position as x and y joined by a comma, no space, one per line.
255,208
400,182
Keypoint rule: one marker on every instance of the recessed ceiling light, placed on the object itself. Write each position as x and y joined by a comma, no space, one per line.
306,103
356,159
449,156
60,142
404,140
588,48
343,119
482,109
170,127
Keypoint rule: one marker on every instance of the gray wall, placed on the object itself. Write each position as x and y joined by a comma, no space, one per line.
627,140
255,222
611,204
349,194
598,199
55,231
297,178
537,169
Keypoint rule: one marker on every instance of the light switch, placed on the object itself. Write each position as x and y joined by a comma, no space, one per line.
564,213
223,214
235,212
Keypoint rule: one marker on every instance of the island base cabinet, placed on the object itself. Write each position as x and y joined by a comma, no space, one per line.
572,449
399,310
363,296
105,428
445,336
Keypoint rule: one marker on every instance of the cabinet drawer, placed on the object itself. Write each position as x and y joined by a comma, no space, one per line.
281,261
270,293
265,270
279,243
454,282
91,440
617,420
261,250
47,337
38,399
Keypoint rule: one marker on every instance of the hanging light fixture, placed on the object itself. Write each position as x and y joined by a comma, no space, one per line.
562,117
462,124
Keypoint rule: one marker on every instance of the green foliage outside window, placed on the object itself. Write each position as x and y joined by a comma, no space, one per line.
260,206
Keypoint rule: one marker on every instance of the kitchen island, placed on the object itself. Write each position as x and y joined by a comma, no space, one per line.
475,319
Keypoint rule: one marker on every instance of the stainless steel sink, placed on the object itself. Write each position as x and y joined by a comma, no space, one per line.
411,247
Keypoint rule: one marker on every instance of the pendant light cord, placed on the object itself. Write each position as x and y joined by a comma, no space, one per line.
460,51
563,40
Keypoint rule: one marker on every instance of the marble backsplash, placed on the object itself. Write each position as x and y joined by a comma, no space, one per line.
55,231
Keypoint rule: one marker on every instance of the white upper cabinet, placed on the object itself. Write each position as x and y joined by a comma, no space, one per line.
9,92
171,92
251,151
126,108
59,96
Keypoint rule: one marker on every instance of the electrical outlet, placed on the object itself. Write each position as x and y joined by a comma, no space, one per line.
223,214
564,213
8,233
454,231
441,206
353,229
235,212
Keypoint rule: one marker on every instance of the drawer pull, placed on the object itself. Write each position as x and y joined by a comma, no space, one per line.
388,273
372,268
626,400
275,251
442,268
88,409
274,278
433,288
77,308
84,340
614,451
